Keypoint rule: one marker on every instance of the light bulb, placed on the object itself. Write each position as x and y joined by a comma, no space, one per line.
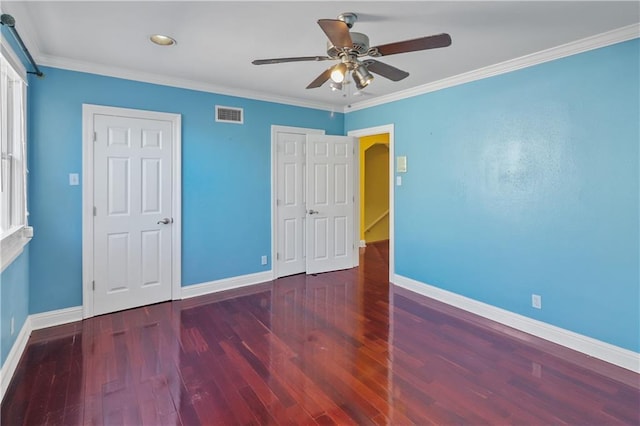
338,72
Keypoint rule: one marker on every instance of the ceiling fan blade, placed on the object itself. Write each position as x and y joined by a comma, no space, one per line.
337,32
423,43
321,79
392,73
295,59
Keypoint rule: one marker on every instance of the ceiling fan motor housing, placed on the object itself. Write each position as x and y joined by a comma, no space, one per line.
360,46
348,18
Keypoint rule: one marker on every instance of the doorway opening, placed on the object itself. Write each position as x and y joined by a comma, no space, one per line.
371,215
374,188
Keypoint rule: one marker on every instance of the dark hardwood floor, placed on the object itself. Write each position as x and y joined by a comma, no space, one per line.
338,348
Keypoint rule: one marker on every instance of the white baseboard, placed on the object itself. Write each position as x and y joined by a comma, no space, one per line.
596,348
11,363
225,284
33,322
57,317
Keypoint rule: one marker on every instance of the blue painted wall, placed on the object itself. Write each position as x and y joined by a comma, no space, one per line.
14,301
226,177
527,183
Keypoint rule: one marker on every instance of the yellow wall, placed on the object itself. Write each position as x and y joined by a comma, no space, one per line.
374,185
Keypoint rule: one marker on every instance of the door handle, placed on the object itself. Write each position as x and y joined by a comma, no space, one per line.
313,212
165,221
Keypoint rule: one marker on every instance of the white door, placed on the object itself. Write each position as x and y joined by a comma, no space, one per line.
132,166
292,235
290,203
330,203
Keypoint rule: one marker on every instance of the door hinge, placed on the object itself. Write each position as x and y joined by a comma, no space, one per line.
95,211
95,137
93,285
277,256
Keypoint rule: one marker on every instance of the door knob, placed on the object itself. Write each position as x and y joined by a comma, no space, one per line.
313,212
165,221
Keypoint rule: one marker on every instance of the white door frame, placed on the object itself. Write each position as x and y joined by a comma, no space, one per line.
387,128
88,112
275,129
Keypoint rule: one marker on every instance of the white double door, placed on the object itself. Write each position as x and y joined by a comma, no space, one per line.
132,220
314,203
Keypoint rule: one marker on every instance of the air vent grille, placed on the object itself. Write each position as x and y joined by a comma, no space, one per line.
229,114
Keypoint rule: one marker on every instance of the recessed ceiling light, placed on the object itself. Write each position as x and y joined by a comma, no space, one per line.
162,40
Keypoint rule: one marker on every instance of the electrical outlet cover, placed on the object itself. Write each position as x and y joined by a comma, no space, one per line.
536,301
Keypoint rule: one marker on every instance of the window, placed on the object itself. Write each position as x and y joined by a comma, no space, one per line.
13,162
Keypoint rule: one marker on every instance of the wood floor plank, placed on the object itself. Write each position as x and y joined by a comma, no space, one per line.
340,348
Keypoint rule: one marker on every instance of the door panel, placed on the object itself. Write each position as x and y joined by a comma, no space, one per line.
117,262
320,185
118,186
151,178
319,237
330,203
290,202
132,192
151,257
341,191
340,231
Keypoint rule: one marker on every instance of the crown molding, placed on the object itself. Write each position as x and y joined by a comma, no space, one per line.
583,45
116,72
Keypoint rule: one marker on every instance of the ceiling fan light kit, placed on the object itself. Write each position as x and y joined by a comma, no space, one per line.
349,47
362,77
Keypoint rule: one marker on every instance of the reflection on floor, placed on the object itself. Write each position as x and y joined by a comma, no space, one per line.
337,348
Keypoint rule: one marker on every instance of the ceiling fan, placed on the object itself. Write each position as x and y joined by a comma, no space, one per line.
349,47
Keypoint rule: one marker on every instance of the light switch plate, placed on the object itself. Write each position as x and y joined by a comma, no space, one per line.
401,164
74,179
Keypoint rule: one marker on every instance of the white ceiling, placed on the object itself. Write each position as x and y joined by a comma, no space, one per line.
218,40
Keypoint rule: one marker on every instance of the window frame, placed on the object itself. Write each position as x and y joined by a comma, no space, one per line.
19,233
